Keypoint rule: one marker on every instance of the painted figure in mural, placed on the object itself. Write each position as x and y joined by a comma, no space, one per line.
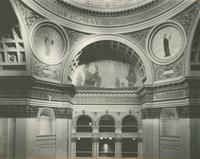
80,79
92,77
48,42
131,76
166,40
97,77
117,82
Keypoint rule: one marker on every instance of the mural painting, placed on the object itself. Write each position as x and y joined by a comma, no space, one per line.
105,74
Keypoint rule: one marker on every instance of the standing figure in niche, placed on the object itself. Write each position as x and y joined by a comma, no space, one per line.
48,42
166,40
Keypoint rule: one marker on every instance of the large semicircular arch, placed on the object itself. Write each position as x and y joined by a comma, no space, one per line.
189,46
95,38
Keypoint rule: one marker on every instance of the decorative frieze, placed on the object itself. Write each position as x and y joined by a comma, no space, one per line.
12,111
182,111
63,112
105,100
175,94
151,113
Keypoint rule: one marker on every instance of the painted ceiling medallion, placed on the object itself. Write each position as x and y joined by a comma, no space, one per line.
48,43
108,5
166,43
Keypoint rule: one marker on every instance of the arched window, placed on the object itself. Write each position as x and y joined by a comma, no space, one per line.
168,121
106,124
129,124
84,124
46,122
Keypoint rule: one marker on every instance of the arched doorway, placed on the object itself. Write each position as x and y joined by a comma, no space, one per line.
129,143
106,142
83,143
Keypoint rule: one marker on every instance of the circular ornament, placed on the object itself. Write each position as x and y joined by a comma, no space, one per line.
48,43
166,43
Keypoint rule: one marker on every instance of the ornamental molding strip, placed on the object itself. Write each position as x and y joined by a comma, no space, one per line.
98,22
111,92
182,111
24,111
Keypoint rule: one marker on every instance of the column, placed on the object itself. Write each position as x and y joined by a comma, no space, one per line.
118,147
73,148
20,138
95,148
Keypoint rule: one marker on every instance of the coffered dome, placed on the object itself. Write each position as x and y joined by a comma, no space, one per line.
106,16
108,5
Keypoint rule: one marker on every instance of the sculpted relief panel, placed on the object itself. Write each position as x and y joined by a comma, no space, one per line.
45,71
169,71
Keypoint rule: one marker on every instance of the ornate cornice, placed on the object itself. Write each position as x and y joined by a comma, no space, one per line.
129,21
165,93
24,111
182,111
31,87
